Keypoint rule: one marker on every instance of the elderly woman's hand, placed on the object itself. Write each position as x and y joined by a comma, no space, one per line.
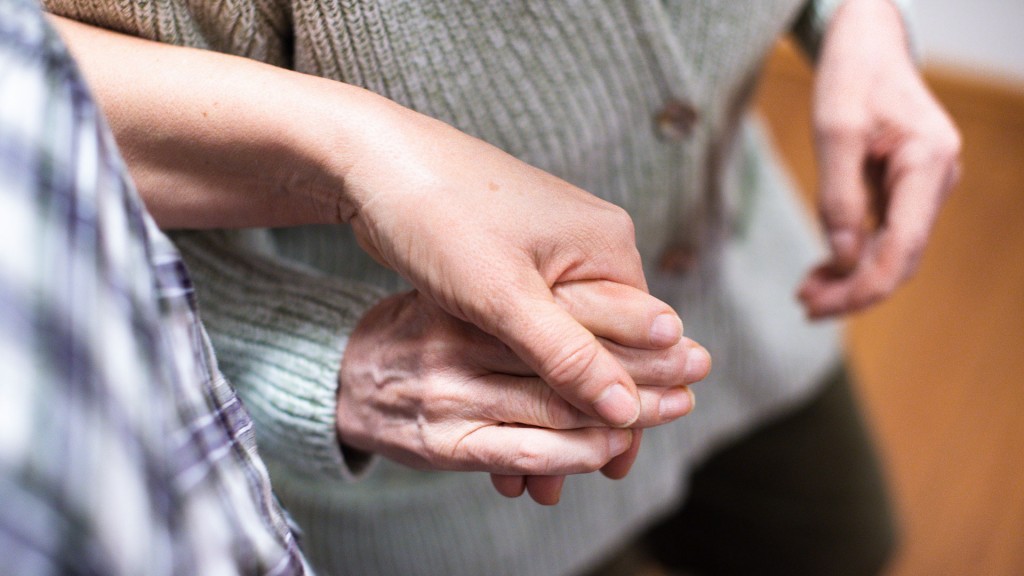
888,155
430,391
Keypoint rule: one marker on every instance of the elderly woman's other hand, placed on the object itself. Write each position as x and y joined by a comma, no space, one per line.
888,156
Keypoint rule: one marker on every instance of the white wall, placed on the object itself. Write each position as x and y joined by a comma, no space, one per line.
979,36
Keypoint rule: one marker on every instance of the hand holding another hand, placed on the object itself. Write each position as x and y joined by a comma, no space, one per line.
487,237
431,391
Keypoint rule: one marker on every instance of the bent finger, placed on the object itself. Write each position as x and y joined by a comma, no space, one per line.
685,363
519,450
545,490
509,486
620,313
844,196
531,402
921,178
570,359
619,466
916,192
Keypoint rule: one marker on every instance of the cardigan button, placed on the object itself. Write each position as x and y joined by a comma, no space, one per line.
677,259
676,120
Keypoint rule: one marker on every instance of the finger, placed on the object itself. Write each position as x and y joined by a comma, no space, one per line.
627,321
509,486
546,490
570,359
825,292
620,313
531,402
917,186
621,464
844,195
513,450
685,363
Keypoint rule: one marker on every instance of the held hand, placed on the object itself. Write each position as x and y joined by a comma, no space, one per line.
487,237
888,154
484,235
430,391
610,311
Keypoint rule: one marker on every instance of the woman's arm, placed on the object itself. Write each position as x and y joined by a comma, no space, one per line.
889,155
217,141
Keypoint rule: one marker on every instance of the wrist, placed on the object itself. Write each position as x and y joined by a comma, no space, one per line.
882,22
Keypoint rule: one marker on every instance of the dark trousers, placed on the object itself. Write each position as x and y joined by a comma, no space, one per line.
802,495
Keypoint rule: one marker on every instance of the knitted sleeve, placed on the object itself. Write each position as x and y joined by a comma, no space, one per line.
811,26
279,331
257,29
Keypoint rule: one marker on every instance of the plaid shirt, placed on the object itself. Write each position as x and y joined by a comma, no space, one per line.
122,448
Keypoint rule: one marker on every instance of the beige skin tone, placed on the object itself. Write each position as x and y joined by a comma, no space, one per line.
217,141
433,392
529,260
889,156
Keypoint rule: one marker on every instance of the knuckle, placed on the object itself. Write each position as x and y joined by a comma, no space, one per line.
436,398
556,412
943,134
571,362
449,447
596,459
673,367
845,128
531,458
622,221
435,454
668,368
951,143
941,147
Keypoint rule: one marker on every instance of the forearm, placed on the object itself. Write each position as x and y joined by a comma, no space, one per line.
810,29
214,140
217,141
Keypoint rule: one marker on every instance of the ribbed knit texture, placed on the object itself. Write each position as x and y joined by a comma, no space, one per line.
572,87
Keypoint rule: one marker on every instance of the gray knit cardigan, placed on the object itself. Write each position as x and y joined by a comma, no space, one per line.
641,102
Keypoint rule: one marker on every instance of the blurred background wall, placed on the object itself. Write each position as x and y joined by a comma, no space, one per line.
984,37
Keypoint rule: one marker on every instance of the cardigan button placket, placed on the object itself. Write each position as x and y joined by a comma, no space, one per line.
676,120
678,259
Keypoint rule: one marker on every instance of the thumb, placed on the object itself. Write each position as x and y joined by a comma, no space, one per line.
571,360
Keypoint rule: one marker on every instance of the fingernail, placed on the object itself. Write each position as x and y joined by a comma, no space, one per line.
675,403
617,406
699,361
666,330
620,441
